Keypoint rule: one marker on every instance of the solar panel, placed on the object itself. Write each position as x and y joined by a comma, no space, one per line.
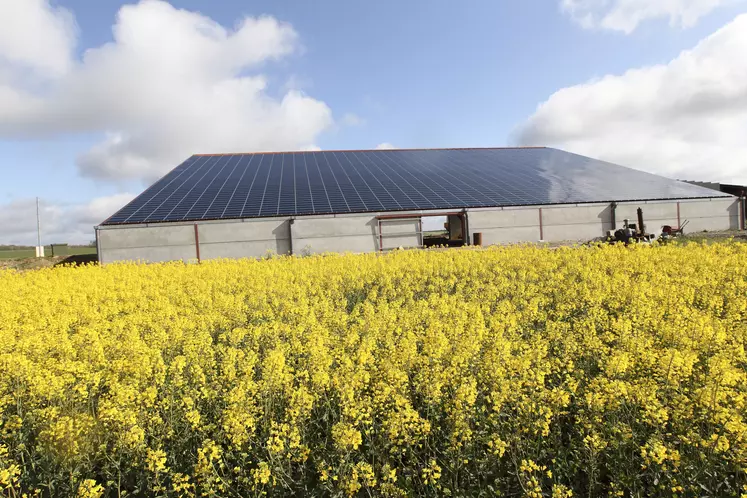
227,186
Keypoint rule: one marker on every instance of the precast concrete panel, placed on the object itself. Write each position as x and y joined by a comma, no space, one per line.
576,222
480,221
247,239
400,232
710,214
655,214
335,234
318,245
244,249
239,231
153,236
331,226
508,235
152,254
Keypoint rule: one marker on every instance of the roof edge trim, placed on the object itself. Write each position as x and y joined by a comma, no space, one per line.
367,150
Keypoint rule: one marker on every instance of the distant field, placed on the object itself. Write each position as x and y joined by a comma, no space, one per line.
58,251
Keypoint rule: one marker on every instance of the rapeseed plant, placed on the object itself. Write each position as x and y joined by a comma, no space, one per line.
518,371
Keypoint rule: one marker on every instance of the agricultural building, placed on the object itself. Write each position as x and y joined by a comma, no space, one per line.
247,205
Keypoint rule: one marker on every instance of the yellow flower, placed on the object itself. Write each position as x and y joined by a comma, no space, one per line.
379,370
346,436
155,460
88,488
262,473
560,491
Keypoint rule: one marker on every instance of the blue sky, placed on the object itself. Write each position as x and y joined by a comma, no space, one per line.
413,74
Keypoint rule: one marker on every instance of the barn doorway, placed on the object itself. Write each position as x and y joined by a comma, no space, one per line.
446,230
409,231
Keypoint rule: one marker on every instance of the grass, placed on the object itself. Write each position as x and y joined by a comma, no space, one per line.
713,237
58,251
16,254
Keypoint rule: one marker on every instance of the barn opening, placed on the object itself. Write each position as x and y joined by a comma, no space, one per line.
443,230
416,231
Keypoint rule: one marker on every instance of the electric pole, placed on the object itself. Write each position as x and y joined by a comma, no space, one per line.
38,232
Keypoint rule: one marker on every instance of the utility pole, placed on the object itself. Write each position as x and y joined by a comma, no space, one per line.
39,248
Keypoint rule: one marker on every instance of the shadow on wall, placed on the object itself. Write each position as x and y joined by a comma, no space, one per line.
605,215
283,238
734,216
374,224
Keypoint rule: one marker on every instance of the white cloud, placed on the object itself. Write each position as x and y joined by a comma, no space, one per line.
626,15
35,36
385,146
172,83
351,119
686,119
60,223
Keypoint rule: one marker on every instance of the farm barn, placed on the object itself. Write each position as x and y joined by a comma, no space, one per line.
246,205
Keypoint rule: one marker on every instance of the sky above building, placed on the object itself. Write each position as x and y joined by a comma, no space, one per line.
100,98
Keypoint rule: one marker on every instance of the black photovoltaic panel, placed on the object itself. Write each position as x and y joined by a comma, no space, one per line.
297,183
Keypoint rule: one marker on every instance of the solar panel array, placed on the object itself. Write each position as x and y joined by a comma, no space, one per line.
207,187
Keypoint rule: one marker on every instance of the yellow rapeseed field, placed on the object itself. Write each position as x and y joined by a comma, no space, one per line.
522,371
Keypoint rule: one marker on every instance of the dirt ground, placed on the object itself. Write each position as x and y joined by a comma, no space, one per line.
23,264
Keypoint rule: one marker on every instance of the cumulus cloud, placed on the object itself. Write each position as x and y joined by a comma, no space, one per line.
686,119
385,146
626,15
172,83
60,223
35,36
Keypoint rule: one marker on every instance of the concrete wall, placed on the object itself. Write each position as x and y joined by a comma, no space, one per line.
147,243
342,233
655,214
170,242
359,233
400,233
582,222
503,226
710,214
588,221
247,239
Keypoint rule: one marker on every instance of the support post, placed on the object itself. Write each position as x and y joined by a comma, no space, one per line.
679,223
98,245
613,215
38,225
465,228
197,243
39,247
381,238
290,235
